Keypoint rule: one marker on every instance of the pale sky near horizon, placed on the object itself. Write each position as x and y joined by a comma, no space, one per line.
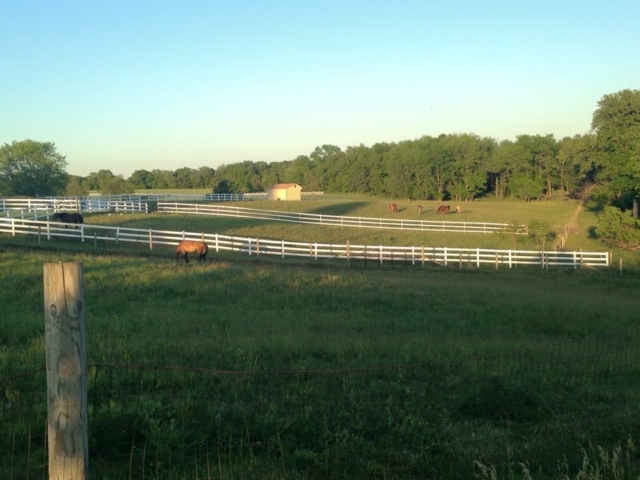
130,85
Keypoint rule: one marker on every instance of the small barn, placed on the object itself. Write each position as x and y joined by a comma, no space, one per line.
285,191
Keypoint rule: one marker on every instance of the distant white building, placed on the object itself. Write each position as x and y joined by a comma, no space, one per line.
284,191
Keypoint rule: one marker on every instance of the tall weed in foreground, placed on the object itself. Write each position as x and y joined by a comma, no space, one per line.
620,462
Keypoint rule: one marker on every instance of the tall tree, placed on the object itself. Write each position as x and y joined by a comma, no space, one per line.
616,124
76,187
32,168
115,185
431,171
141,179
467,153
506,161
575,162
162,179
401,169
204,177
95,179
184,177
541,152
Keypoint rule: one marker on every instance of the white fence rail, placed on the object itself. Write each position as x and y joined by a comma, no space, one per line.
190,197
334,220
9,206
416,255
176,197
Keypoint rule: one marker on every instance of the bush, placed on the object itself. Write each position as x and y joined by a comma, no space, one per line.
619,228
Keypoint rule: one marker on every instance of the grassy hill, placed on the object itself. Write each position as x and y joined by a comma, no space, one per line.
253,369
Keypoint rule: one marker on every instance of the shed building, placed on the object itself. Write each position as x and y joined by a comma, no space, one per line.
285,191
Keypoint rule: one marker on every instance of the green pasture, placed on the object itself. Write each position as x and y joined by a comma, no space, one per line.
292,370
556,214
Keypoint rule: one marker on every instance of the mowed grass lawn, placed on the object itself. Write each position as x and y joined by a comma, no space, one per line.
331,372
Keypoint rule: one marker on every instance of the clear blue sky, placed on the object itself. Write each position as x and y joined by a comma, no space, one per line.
128,85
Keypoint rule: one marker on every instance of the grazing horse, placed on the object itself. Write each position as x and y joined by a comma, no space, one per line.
393,208
458,209
65,217
192,246
419,209
444,209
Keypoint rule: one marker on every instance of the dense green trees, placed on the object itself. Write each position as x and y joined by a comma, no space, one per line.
616,124
604,163
32,168
616,157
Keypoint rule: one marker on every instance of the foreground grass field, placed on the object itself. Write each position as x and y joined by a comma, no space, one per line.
295,369
292,371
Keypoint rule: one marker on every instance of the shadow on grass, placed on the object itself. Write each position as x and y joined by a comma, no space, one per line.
339,209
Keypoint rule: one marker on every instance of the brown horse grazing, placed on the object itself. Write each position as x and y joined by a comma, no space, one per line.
444,209
393,208
192,246
419,209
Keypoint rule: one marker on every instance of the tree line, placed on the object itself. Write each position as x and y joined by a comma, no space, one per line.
603,164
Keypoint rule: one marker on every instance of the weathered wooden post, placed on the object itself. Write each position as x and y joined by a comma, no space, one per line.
66,371
620,265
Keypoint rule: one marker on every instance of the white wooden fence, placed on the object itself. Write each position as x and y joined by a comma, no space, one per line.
12,206
415,255
335,220
176,197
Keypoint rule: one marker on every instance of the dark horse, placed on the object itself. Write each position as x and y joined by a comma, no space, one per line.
65,217
192,246
444,209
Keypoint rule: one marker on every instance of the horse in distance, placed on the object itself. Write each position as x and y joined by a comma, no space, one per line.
393,208
419,209
66,217
192,246
444,209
